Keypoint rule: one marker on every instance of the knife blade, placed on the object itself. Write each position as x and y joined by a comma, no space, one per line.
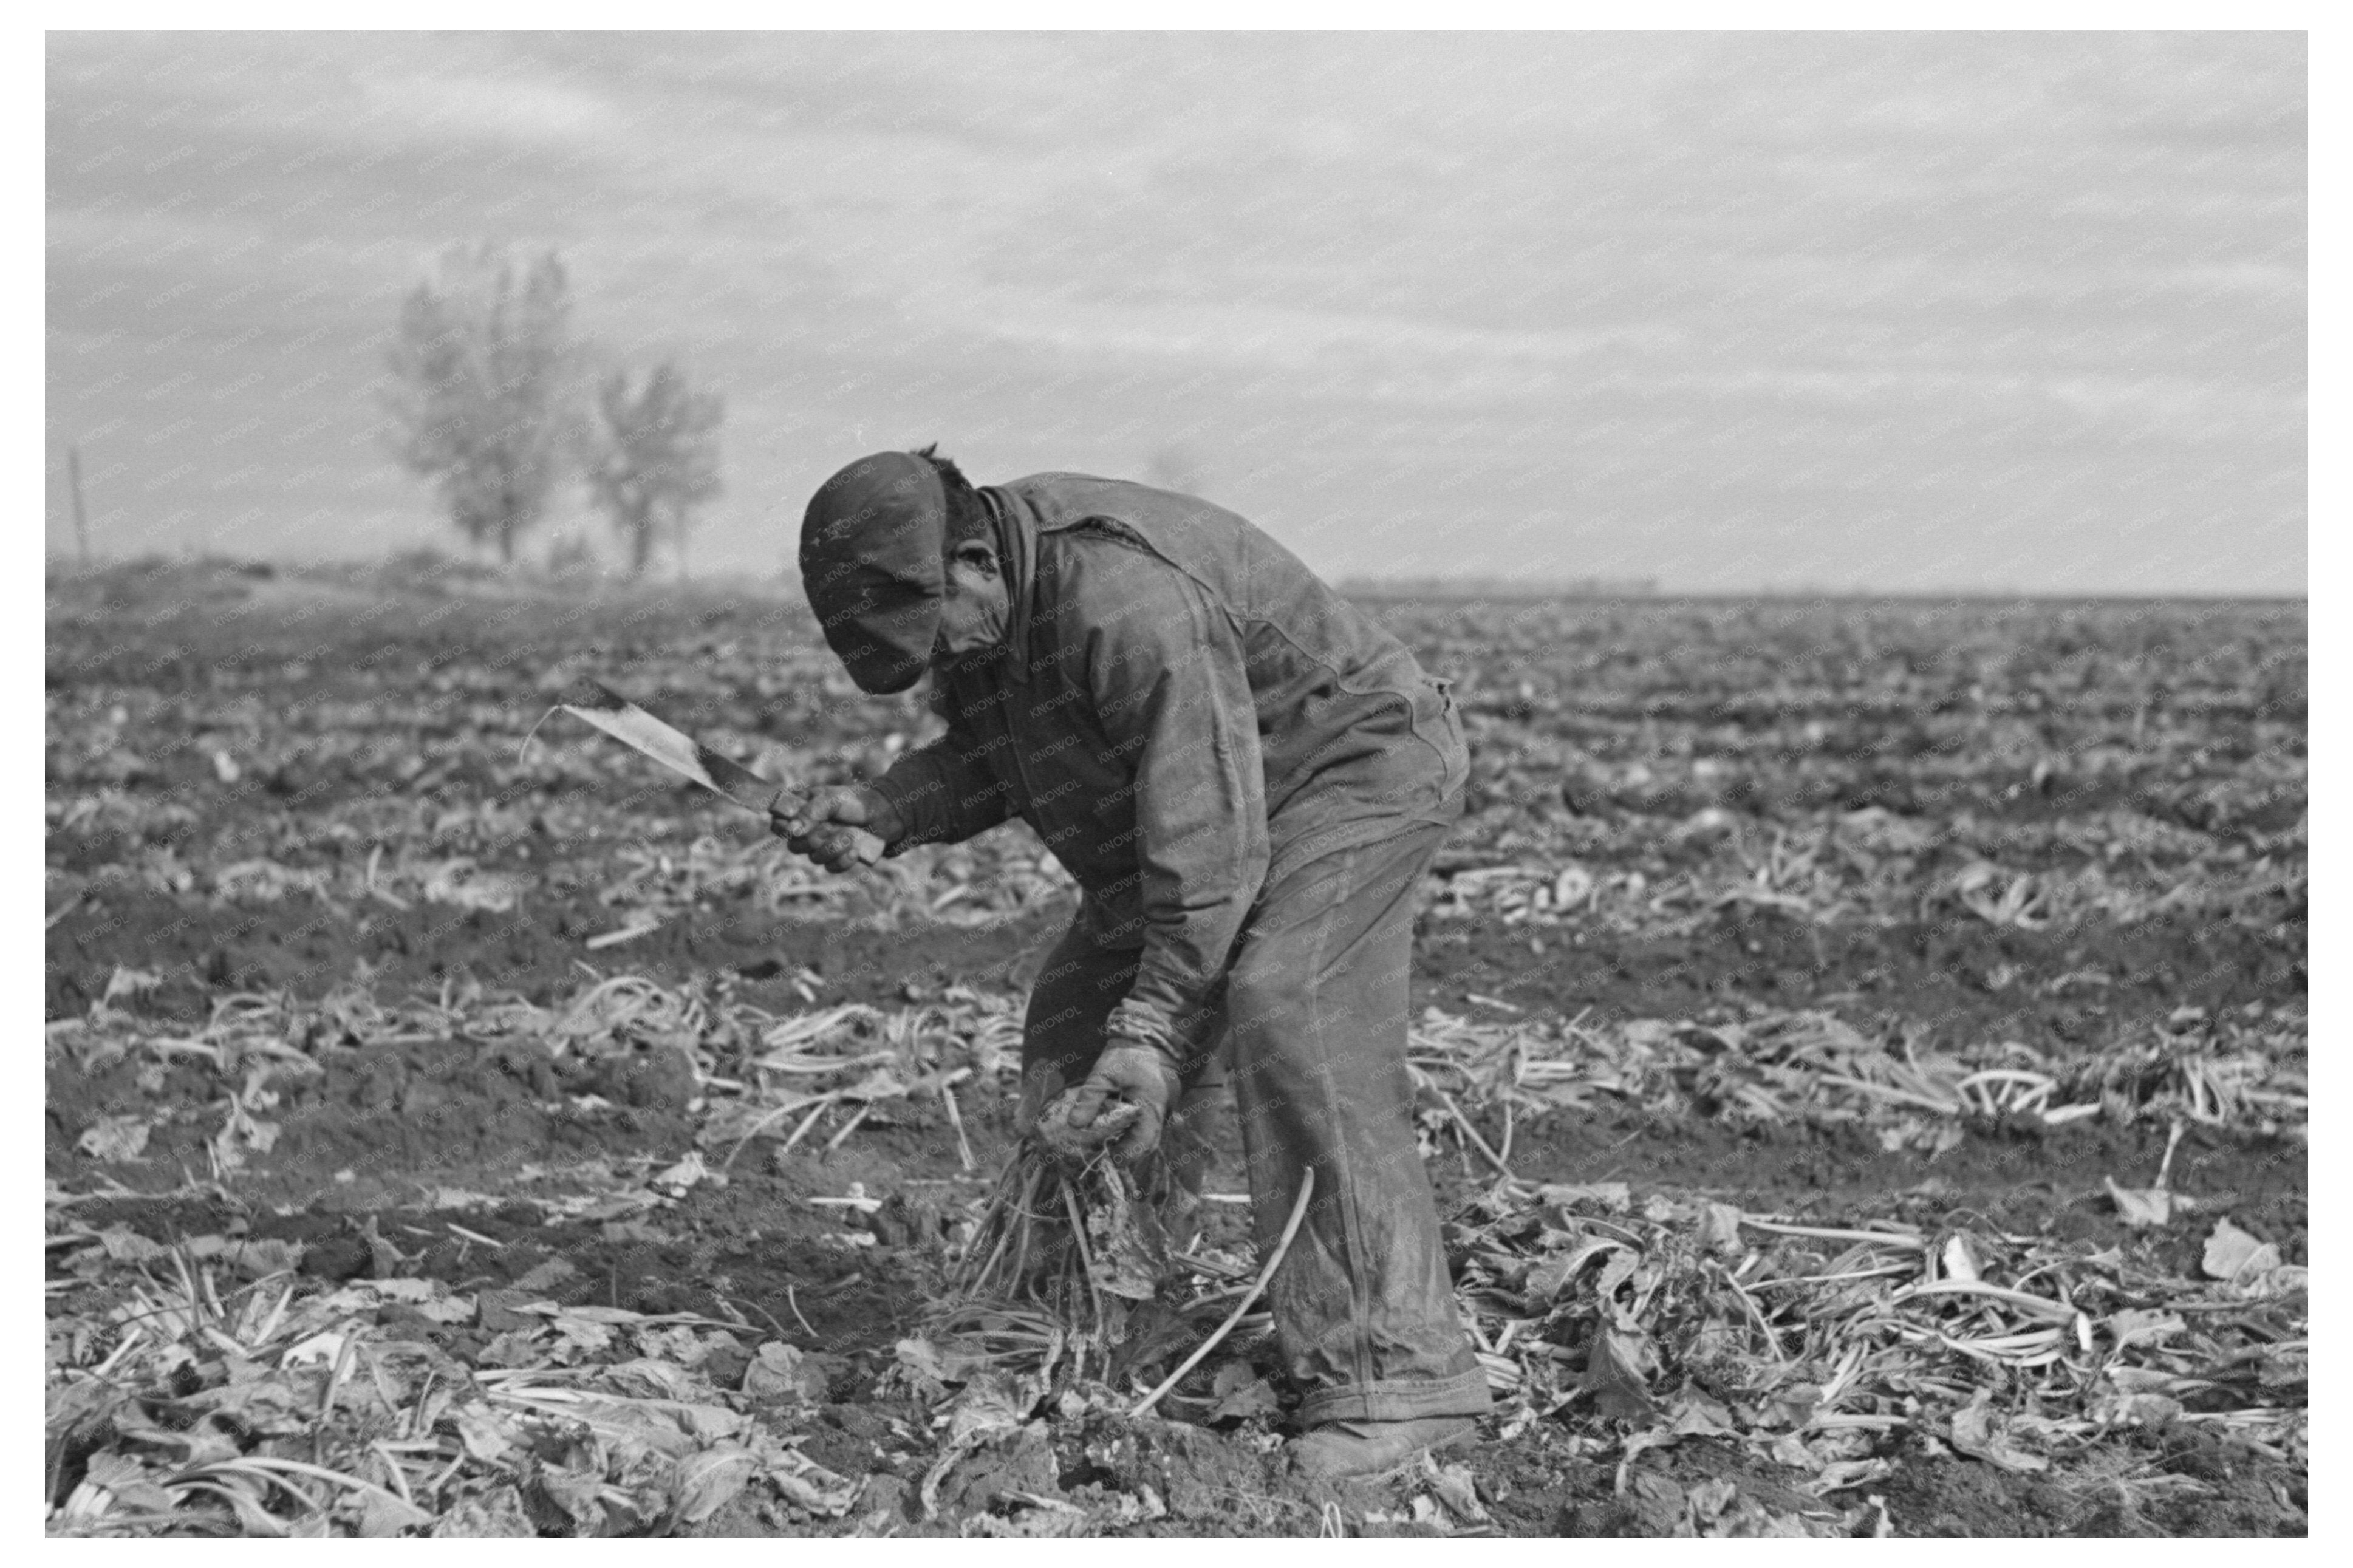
599,705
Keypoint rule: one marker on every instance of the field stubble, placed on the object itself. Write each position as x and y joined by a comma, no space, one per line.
1861,1047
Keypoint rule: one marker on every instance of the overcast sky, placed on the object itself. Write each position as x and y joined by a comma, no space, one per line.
1732,311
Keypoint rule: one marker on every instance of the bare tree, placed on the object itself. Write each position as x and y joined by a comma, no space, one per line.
483,366
654,458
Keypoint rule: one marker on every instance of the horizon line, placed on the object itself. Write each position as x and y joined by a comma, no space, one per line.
1470,586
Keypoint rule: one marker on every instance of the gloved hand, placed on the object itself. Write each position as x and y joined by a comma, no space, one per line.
811,833
1138,1074
1042,1084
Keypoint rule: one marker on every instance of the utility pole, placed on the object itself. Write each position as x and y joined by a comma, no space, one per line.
81,519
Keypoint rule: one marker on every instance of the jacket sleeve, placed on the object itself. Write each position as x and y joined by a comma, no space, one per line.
1171,686
944,792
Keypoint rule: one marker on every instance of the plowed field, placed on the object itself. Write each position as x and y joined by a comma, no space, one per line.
1864,1054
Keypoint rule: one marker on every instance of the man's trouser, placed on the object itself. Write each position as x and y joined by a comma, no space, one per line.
1313,1009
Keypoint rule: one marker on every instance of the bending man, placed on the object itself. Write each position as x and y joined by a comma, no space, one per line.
1247,778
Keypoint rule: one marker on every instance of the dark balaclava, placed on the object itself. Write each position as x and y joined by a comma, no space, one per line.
871,564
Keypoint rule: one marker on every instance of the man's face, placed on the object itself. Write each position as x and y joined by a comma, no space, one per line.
973,615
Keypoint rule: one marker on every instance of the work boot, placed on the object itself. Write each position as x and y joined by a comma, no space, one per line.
1338,1450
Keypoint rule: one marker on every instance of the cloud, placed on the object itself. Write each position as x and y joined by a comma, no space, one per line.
509,106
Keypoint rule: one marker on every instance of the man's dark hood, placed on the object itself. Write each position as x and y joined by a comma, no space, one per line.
871,566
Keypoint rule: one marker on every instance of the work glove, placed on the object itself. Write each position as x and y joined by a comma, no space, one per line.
1041,1085
817,830
1134,1073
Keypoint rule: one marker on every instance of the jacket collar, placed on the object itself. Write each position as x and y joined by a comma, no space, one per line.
1017,555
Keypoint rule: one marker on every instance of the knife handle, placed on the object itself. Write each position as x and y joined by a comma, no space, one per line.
864,848
830,837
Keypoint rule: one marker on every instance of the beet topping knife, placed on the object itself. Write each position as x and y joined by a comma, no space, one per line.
682,754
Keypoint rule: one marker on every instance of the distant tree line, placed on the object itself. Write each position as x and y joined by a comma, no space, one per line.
496,399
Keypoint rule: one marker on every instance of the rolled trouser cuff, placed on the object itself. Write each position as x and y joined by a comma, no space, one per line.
1400,1399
